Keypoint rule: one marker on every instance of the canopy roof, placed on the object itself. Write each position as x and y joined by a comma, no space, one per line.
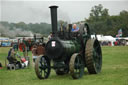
104,38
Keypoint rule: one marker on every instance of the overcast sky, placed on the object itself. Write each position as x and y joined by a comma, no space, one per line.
37,11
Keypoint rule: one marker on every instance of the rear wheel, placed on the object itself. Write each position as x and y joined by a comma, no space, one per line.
42,67
93,56
76,66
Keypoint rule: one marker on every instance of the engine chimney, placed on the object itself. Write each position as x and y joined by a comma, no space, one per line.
54,19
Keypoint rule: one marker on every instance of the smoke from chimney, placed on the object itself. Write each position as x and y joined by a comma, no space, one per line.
16,32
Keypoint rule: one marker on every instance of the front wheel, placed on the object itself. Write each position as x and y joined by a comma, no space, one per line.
42,67
76,66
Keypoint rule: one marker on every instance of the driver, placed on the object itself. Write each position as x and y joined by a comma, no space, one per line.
75,28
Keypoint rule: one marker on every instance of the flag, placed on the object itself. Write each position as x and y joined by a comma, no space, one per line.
119,33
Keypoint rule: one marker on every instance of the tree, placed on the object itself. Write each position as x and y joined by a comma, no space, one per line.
102,23
97,19
97,13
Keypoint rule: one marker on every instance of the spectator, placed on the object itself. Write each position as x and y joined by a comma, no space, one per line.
50,36
34,53
0,65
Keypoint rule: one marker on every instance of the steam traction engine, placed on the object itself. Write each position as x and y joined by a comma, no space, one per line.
69,51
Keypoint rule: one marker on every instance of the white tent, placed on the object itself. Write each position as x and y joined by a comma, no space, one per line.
99,37
104,38
110,38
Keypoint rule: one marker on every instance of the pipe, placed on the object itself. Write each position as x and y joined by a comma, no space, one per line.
54,19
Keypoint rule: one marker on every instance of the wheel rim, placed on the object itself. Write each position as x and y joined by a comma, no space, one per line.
42,67
78,69
97,56
93,56
76,66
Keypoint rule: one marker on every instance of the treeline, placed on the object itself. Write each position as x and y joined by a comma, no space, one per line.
42,28
102,23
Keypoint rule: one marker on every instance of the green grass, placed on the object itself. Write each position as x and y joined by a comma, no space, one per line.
114,71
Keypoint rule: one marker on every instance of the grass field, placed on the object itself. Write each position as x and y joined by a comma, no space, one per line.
114,71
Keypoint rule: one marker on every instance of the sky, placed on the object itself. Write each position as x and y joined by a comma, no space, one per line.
36,11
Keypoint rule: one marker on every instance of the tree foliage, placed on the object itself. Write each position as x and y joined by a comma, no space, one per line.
102,23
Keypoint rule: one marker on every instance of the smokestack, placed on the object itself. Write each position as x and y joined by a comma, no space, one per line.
54,19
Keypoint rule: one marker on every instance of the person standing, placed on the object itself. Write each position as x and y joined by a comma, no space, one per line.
50,36
34,53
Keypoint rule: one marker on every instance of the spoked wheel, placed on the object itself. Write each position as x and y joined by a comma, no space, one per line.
93,56
76,66
42,67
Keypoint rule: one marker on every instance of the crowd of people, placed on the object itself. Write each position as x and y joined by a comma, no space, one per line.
115,43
